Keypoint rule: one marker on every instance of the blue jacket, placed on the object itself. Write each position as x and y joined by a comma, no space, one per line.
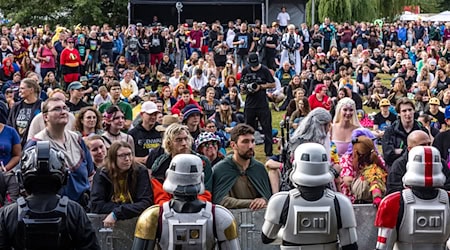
402,34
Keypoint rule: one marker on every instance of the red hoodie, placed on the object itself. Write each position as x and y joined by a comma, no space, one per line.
180,105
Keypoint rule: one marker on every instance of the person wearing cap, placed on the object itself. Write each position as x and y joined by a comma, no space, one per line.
243,42
87,89
256,104
75,102
146,137
208,144
383,119
192,116
438,118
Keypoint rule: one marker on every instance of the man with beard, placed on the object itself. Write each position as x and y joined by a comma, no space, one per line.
240,181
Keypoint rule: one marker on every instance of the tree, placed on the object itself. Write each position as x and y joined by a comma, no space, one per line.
35,12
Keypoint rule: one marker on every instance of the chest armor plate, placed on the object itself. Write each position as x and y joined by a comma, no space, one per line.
311,222
187,231
425,222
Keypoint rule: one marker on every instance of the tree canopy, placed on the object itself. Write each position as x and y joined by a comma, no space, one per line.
62,12
368,10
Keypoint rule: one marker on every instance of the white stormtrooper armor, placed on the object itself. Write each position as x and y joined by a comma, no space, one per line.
310,225
200,225
424,224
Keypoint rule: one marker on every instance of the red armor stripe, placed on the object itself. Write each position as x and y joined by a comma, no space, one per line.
381,239
428,167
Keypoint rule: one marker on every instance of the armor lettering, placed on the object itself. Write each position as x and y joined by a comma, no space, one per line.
432,221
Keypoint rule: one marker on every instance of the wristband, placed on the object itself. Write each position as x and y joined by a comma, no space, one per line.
114,216
334,172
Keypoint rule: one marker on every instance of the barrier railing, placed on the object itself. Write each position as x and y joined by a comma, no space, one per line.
249,222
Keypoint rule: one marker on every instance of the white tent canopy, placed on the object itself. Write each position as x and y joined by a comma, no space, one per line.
441,17
408,16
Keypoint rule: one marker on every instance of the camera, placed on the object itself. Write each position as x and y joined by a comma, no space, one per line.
250,82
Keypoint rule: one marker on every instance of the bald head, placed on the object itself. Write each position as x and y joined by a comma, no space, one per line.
418,138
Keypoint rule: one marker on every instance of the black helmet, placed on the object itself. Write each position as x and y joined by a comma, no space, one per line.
43,164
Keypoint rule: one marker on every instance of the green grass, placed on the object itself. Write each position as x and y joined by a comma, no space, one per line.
278,116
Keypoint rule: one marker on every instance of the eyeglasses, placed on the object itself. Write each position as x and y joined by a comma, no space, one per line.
90,117
209,144
124,156
59,109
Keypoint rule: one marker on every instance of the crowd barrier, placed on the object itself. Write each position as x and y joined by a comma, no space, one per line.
249,225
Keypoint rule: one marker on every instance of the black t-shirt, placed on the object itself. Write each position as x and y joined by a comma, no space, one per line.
271,39
93,44
437,120
384,122
243,49
258,99
145,141
181,40
441,85
75,108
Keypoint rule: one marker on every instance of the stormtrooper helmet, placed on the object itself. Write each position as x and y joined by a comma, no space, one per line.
184,176
424,168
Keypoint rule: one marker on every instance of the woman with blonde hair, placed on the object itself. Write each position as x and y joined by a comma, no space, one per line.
398,91
344,122
121,188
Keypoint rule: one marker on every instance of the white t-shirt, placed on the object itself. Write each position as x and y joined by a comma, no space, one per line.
99,100
283,18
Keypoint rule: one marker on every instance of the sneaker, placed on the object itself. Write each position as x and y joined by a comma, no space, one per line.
275,107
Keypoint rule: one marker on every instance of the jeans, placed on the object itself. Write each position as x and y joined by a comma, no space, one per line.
241,61
347,45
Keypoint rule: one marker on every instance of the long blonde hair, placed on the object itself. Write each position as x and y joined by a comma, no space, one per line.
344,102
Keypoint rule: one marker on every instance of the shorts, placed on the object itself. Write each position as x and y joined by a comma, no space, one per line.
156,58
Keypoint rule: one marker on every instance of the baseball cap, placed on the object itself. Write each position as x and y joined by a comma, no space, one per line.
384,102
149,107
253,60
434,101
225,102
447,112
205,137
432,62
274,24
70,40
75,85
83,79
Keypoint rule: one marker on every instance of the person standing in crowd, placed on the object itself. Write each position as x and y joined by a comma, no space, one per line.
47,55
145,136
394,142
92,51
44,171
70,62
157,46
240,181
292,44
22,112
121,188
243,43
328,31
76,154
256,104
283,19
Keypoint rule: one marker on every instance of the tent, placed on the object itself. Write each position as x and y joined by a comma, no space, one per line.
408,16
441,17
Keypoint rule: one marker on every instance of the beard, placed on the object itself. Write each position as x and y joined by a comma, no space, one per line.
247,155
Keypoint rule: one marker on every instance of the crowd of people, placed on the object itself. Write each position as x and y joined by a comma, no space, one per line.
121,102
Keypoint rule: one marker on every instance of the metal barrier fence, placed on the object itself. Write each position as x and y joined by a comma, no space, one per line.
250,224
